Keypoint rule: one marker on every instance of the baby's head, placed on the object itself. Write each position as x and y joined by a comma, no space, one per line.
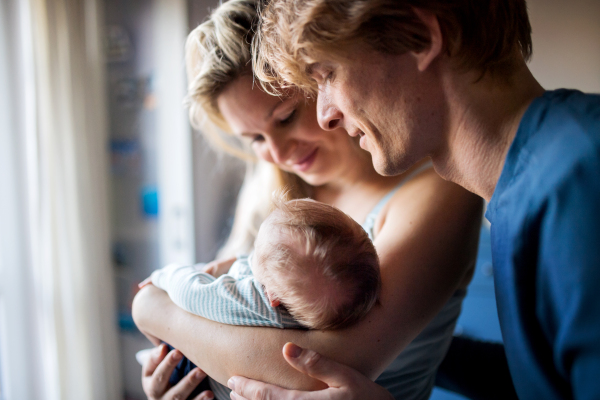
318,263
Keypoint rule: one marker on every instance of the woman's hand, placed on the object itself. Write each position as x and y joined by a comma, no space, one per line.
157,370
219,267
344,382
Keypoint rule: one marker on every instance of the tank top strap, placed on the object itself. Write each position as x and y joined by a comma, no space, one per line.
369,223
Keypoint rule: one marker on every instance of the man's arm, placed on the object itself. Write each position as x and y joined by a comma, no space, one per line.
343,383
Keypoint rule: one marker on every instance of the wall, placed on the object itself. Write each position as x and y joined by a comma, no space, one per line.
566,43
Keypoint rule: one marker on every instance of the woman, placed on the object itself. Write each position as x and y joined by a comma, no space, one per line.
425,231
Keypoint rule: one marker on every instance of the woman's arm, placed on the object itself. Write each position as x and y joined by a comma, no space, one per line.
427,245
218,349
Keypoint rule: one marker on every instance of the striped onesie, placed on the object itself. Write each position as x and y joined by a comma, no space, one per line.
235,298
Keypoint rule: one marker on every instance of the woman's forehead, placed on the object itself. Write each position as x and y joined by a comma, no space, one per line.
246,107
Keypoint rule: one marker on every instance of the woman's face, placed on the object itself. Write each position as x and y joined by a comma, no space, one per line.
285,131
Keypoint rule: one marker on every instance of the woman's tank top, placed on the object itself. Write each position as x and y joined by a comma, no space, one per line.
411,376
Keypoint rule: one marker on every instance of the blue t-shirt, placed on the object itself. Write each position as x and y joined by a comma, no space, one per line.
545,215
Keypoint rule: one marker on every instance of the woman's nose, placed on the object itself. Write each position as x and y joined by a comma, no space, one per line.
328,114
281,148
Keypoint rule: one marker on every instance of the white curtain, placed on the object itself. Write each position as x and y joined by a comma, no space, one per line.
67,271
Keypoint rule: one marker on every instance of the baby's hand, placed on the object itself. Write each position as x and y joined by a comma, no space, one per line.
145,282
219,267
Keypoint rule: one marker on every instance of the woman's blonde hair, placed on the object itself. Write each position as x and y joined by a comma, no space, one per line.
217,53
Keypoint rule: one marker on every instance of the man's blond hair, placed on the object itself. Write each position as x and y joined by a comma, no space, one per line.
320,263
482,35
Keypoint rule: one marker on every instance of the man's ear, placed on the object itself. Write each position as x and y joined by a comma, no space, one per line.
426,56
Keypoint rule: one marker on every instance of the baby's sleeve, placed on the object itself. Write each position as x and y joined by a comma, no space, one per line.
230,300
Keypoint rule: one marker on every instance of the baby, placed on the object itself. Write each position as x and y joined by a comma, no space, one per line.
311,260
318,263
313,267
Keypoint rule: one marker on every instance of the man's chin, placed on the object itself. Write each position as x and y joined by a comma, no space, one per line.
386,167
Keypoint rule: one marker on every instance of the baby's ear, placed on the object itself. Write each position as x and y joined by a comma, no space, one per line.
273,299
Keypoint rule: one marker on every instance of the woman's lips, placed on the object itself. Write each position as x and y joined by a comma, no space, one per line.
305,162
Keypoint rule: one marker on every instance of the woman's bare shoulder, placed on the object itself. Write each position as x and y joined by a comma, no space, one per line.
422,197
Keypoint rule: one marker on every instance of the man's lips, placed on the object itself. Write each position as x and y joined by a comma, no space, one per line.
363,142
306,161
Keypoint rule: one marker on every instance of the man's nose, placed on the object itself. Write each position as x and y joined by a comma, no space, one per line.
328,114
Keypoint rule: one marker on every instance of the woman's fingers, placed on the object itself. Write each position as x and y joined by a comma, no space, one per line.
186,386
157,370
155,386
156,357
206,395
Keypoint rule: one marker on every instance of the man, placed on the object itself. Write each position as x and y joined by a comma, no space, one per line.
448,80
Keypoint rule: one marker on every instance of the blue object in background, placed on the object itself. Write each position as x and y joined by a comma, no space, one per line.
126,323
149,195
479,316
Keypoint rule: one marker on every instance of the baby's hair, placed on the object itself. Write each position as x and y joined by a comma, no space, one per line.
315,246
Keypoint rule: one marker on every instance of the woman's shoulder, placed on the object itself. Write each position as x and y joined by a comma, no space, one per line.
423,194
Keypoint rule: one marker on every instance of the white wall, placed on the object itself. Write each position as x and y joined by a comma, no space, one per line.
566,43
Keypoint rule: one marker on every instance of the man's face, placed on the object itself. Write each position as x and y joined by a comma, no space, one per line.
394,108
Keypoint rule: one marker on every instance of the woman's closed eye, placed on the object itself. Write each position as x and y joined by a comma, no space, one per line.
257,139
289,119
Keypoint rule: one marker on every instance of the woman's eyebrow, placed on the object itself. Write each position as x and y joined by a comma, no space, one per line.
248,134
270,115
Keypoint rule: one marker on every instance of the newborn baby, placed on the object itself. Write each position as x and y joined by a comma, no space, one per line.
318,263
311,260
313,267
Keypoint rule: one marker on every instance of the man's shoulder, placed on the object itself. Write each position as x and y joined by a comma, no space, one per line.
557,146
561,134
562,117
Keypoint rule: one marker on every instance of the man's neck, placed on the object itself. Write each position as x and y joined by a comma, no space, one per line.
483,120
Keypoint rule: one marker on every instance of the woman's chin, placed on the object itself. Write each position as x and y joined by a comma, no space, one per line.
313,179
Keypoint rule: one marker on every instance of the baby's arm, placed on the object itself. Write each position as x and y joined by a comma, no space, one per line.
236,299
